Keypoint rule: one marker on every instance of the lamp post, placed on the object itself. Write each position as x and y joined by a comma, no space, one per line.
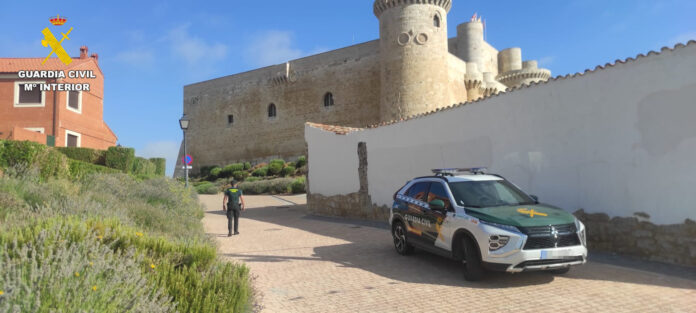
184,123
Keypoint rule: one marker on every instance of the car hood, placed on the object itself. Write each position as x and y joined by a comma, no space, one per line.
523,215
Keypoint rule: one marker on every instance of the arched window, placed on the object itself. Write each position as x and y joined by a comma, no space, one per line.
328,99
436,21
230,119
271,110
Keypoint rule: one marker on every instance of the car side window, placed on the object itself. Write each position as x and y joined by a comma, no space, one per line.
418,191
438,191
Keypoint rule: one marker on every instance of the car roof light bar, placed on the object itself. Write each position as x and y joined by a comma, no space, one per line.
452,171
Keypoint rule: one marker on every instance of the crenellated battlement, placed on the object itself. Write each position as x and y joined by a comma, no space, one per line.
382,5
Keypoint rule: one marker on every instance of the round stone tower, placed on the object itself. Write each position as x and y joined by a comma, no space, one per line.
413,56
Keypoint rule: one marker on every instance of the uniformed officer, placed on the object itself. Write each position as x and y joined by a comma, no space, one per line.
233,204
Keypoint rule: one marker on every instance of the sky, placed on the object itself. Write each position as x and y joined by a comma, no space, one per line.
149,50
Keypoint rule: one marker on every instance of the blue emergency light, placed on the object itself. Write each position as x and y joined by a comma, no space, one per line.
452,171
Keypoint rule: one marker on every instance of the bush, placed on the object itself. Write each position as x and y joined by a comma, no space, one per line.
287,171
79,169
301,161
229,170
247,166
207,188
20,153
260,172
120,158
142,166
141,243
215,172
160,166
52,164
272,186
276,166
205,170
299,185
84,154
239,175
252,179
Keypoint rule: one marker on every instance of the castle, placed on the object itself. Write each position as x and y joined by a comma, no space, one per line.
413,68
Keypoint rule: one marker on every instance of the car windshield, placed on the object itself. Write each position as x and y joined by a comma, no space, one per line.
489,193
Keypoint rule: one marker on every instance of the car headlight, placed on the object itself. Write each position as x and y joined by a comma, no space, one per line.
581,231
501,226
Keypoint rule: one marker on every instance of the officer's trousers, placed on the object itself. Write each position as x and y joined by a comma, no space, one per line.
233,214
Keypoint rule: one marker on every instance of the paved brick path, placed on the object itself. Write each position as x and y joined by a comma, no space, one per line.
308,264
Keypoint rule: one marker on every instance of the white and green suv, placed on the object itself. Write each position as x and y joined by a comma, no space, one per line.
486,222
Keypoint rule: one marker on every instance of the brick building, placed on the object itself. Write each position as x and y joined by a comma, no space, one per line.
54,116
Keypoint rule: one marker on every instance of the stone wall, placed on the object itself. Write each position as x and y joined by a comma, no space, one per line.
637,236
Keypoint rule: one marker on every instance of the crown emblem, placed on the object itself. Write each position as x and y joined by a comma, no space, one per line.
58,20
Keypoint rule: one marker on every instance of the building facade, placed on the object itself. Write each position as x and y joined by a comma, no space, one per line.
54,116
413,68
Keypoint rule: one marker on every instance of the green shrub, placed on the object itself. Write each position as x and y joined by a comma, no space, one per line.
301,161
239,175
207,188
271,186
160,166
299,185
252,179
215,171
79,169
120,158
276,166
84,154
247,166
142,166
287,171
20,152
205,170
52,164
229,170
260,172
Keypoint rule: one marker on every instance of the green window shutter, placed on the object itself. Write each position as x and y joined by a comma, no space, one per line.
51,141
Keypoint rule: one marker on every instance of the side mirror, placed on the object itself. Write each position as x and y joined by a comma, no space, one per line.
437,204
535,198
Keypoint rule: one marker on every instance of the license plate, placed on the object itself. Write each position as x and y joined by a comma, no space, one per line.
544,254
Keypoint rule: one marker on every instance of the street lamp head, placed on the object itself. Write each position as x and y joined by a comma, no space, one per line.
184,122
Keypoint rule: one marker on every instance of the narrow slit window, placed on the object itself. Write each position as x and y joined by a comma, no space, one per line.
328,99
436,21
230,119
271,110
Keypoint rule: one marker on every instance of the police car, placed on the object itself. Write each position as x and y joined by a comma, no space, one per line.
486,222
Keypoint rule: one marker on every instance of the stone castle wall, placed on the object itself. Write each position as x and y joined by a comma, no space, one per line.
350,74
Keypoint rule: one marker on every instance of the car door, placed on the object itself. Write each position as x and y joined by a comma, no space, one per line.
414,216
437,218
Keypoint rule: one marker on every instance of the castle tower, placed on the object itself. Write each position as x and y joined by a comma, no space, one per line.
413,56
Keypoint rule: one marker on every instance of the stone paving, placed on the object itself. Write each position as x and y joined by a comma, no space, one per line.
308,264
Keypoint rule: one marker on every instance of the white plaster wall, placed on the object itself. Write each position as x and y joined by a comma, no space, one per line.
619,141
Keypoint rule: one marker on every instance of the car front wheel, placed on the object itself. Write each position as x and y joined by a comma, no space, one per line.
473,270
400,241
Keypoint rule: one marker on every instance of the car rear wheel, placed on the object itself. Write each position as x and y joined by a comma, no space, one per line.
473,270
400,241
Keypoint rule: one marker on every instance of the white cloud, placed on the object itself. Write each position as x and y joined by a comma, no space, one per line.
162,149
273,47
194,50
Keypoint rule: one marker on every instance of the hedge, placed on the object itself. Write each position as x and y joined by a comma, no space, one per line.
272,186
207,188
160,165
229,170
79,169
299,185
19,152
84,154
120,158
142,166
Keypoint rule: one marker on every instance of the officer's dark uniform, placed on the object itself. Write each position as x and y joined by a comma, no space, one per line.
233,208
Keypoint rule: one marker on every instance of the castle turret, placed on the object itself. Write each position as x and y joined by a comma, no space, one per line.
514,73
470,43
413,56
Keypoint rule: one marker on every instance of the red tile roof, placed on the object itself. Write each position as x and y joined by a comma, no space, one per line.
13,65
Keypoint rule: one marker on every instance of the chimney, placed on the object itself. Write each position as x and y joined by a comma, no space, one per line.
95,57
83,52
